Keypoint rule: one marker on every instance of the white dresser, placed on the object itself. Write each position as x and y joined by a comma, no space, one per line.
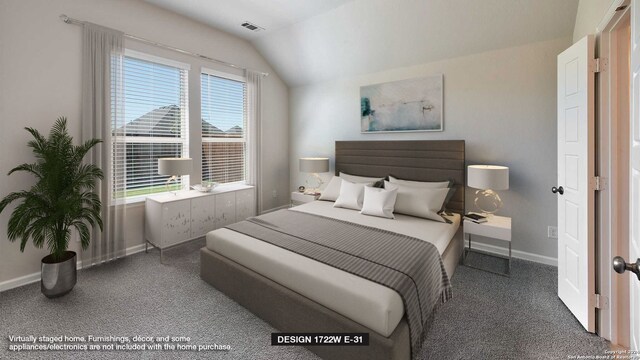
173,219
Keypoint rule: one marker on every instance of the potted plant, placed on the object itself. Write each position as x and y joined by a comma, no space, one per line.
61,200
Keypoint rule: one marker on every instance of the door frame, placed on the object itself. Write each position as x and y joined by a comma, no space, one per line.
612,317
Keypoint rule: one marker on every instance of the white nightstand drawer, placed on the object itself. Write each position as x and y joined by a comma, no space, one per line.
498,227
298,198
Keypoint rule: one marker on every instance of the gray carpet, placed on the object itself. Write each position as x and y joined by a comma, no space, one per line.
517,317
490,317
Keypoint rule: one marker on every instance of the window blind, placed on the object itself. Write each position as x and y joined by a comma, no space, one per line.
152,123
224,124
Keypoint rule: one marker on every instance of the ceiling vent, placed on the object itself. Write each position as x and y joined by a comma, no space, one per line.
252,27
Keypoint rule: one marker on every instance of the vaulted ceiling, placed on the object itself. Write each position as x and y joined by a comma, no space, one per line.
308,41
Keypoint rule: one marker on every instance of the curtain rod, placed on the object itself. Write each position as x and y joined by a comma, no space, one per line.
73,21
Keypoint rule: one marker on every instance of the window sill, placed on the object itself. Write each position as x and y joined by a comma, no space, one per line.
140,200
137,200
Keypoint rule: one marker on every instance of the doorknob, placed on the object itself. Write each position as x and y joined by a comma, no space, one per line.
620,266
559,190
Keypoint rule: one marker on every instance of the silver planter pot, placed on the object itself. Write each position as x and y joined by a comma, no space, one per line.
58,278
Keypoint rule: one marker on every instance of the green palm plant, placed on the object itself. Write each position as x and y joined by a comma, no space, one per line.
63,196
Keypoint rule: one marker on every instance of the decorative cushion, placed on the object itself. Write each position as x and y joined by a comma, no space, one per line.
379,202
351,195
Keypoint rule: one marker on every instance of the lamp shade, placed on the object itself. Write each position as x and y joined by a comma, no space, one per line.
174,166
488,177
314,165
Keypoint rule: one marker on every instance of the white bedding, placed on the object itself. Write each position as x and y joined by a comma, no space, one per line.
365,302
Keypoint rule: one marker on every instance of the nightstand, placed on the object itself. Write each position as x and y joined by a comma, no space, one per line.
497,227
298,198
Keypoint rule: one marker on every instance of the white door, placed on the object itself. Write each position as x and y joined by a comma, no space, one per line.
576,266
634,205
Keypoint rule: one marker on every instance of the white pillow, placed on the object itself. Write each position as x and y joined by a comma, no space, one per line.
332,190
422,184
351,195
359,179
379,202
421,202
428,185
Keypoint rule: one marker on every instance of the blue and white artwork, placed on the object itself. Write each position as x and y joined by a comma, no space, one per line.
406,105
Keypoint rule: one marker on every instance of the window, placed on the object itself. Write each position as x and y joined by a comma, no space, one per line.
224,125
150,121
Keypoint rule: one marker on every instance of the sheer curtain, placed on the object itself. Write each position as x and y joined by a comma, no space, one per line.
102,54
254,133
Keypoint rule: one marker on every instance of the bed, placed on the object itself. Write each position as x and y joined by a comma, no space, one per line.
298,294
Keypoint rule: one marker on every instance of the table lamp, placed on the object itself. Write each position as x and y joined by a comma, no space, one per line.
314,166
488,178
174,167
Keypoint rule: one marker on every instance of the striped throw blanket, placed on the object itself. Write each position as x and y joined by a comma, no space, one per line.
410,266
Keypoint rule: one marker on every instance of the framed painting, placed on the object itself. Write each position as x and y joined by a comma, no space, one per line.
403,106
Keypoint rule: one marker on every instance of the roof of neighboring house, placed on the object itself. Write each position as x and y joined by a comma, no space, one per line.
165,122
235,130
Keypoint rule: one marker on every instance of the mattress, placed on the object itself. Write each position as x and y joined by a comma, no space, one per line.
363,301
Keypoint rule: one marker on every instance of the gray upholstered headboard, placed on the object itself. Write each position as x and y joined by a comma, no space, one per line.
419,160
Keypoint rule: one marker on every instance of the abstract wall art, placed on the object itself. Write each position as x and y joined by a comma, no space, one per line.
405,105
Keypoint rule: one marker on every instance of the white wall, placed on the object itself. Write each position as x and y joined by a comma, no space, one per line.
40,59
589,15
502,103
367,36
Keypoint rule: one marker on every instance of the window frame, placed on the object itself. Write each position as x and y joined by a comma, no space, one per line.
184,140
244,139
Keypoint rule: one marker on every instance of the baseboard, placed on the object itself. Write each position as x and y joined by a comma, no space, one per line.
514,253
35,277
20,281
135,249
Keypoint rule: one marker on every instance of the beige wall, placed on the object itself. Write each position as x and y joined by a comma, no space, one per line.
502,103
40,80
589,15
